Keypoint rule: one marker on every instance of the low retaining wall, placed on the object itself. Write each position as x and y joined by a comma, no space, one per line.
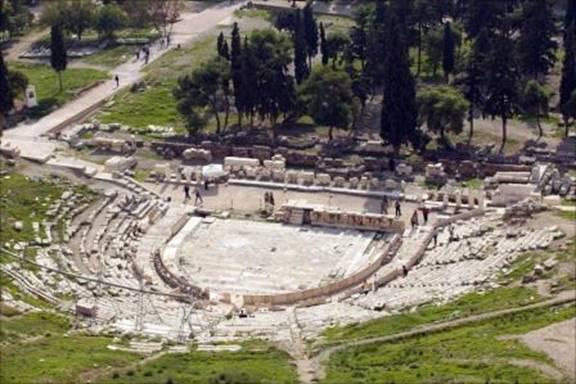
328,289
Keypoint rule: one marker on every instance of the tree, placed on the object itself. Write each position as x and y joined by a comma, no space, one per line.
534,102
274,92
536,45
472,81
359,33
236,69
204,88
300,66
164,13
502,83
81,17
285,21
335,45
58,56
426,14
15,16
311,33
323,45
327,95
433,45
448,47
442,108
222,47
249,77
568,80
570,108
110,18
399,112
7,94
570,17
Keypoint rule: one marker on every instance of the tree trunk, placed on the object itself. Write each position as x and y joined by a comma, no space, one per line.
540,131
330,133
240,116
566,129
419,59
227,115
217,116
471,121
504,134
60,80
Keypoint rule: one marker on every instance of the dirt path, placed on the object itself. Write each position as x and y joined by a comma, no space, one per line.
313,369
22,44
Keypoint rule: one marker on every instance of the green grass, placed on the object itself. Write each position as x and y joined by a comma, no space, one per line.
112,57
254,13
156,105
568,215
472,354
469,304
46,81
254,364
26,200
33,324
60,359
473,183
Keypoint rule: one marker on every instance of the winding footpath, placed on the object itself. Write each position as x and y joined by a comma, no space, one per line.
30,137
312,369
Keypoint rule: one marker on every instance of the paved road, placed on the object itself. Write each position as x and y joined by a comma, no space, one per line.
26,136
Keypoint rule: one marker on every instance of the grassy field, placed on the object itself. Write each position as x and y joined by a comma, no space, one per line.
47,86
155,105
112,57
472,354
469,304
46,81
27,200
256,363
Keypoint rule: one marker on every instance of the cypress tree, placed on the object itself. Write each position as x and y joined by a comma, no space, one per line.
323,46
568,80
536,47
236,69
222,46
448,47
58,57
248,81
399,112
311,33
570,17
6,94
300,66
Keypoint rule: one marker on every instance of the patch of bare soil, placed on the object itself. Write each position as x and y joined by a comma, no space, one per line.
558,341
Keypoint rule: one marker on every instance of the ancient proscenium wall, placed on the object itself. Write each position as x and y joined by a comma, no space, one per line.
299,213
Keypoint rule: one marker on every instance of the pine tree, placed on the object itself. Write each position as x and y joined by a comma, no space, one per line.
448,48
502,83
568,80
536,45
236,68
58,57
300,66
323,47
6,95
311,33
399,112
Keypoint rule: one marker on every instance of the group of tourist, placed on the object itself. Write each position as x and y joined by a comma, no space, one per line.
384,207
414,220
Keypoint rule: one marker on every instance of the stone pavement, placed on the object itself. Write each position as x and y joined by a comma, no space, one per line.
189,27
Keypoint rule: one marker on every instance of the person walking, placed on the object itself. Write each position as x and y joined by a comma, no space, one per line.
425,212
198,197
435,237
414,219
117,79
138,54
451,233
272,199
398,208
384,206
186,192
